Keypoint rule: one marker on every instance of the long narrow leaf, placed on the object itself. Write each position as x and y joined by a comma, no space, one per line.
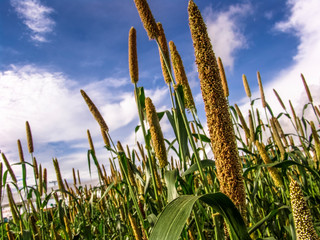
173,218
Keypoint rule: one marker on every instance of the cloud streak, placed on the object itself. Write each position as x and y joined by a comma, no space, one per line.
224,31
36,17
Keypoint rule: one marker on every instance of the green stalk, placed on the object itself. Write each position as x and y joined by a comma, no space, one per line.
197,224
198,131
193,146
145,140
133,196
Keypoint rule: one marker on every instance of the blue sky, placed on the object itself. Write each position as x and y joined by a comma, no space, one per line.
49,50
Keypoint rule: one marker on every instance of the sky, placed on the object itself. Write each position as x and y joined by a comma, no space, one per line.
49,50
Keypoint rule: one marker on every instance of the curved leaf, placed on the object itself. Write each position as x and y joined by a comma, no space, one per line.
171,221
194,167
266,218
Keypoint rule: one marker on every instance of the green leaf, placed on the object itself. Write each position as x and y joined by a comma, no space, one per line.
160,115
194,167
106,191
283,165
170,178
270,110
181,128
203,138
137,128
171,221
266,218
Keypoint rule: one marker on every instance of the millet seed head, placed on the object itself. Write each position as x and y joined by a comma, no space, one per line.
263,99
20,151
164,46
306,88
8,166
246,85
274,172
94,110
133,56
223,78
229,169
147,18
156,133
301,213
29,137
180,76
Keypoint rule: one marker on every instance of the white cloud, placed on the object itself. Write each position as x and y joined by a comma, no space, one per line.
59,117
304,22
224,31
36,17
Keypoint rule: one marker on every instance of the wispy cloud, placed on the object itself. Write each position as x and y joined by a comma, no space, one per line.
225,33
36,17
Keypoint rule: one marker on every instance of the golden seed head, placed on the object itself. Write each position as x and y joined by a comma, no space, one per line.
74,176
279,99
156,133
135,228
45,179
164,46
29,137
90,142
13,206
276,137
301,213
40,187
246,85
229,169
78,173
223,78
147,18
119,146
181,77
280,131
133,56
274,172
105,138
35,167
243,122
263,99
20,151
58,174
306,88
251,126
94,110
8,166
